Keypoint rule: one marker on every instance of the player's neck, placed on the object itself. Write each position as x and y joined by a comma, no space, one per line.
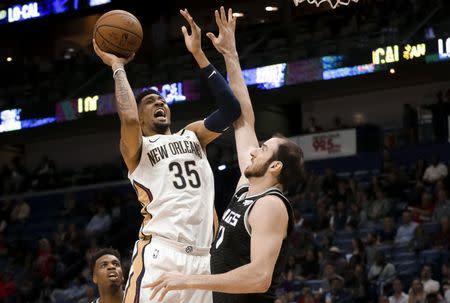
258,185
148,132
112,295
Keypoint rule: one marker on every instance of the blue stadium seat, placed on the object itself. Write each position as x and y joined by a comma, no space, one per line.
430,256
430,228
314,284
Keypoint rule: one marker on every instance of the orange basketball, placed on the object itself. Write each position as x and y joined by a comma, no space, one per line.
118,32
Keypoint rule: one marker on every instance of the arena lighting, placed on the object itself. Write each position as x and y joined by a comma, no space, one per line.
222,167
9,59
271,8
238,14
392,71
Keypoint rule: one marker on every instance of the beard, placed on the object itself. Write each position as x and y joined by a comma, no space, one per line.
257,171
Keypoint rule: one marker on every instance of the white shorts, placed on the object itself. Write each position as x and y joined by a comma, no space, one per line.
153,257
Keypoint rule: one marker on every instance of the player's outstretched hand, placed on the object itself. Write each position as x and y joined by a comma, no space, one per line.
167,282
110,59
192,41
225,43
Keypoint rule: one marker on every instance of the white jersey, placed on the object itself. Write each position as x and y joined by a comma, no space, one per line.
175,185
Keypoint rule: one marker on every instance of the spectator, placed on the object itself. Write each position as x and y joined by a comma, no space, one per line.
292,265
45,262
44,174
310,266
357,284
8,286
420,241
442,238
398,296
5,214
381,271
416,293
383,299
18,178
418,170
387,234
312,126
371,247
424,211
405,232
89,295
3,246
337,294
289,282
70,294
70,206
329,182
20,212
307,297
358,253
338,220
337,123
336,258
354,217
442,208
328,273
100,222
445,276
435,171
429,285
380,207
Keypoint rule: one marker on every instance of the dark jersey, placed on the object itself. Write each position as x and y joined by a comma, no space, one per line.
231,248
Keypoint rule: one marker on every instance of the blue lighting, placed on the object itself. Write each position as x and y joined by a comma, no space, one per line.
348,71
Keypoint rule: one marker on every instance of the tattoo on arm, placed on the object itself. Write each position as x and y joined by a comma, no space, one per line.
126,105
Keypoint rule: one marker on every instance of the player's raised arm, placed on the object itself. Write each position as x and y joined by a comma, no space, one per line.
130,130
228,106
244,127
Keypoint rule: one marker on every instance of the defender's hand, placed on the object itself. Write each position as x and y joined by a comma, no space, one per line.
167,282
111,59
225,43
192,41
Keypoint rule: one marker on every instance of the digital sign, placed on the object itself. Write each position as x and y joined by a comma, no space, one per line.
38,9
172,92
267,77
10,120
444,48
391,54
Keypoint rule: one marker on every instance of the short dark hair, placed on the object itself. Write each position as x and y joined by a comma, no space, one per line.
95,255
291,155
145,92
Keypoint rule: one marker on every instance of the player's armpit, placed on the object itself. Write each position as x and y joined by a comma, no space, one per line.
268,221
204,135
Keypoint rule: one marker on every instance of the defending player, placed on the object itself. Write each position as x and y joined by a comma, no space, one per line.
249,253
171,175
107,274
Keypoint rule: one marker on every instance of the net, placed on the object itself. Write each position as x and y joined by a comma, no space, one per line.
333,3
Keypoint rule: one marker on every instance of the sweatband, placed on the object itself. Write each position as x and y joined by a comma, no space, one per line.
229,108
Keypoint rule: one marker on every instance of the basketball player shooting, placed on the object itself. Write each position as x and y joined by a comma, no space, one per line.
171,175
250,251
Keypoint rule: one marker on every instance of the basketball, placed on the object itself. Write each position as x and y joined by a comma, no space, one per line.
118,32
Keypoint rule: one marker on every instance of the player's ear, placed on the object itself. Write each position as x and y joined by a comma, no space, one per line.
94,278
276,166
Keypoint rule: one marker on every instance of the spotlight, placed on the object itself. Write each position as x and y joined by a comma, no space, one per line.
392,71
271,8
9,59
222,167
238,14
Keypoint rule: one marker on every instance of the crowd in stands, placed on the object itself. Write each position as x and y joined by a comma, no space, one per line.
368,236
371,237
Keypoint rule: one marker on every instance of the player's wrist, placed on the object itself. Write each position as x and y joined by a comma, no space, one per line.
117,65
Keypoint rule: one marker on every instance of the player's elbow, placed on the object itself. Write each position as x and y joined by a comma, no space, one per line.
263,282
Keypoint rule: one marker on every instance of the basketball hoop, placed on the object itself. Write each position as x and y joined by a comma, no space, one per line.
333,3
